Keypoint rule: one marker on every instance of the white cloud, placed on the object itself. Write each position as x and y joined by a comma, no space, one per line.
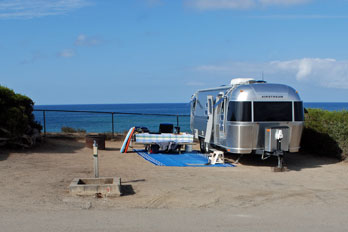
282,2
67,53
305,67
299,16
83,40
240,4
324,72
220,4
38,8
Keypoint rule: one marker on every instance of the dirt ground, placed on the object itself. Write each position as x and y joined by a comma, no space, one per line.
312,195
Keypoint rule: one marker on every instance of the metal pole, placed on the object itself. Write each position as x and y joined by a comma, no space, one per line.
112,121
44,119
96,161
177,120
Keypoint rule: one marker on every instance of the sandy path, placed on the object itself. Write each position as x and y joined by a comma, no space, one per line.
312,195
293,218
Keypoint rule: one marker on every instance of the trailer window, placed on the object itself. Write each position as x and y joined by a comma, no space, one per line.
272,111
298,107
239,111
210,106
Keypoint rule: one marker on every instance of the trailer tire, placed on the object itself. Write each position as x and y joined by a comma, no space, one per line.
154,149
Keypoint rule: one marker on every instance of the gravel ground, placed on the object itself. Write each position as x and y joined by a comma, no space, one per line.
311,196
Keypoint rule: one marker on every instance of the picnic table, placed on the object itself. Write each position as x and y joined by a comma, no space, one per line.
164,139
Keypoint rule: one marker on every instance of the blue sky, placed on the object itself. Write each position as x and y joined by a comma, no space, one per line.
144,51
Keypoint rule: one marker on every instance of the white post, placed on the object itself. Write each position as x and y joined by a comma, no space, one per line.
95,157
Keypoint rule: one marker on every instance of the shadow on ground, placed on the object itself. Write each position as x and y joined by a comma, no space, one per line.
293,161
127,190
4,154
111,149
133,181
48,145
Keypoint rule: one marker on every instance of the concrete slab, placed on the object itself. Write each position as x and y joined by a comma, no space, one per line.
108,186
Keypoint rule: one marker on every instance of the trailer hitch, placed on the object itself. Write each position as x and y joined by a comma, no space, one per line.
279,153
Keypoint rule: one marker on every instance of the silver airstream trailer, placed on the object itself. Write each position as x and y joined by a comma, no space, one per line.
248,116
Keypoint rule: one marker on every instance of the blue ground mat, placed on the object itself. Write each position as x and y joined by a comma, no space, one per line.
185,159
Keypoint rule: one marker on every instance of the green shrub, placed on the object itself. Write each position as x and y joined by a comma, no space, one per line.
67,129
16,116
326,133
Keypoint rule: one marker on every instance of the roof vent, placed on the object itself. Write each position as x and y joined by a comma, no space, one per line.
245,81
241,81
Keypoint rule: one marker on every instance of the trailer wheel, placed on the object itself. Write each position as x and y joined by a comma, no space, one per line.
204,147
154,149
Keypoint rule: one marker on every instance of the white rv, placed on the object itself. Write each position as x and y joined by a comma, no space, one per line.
248,116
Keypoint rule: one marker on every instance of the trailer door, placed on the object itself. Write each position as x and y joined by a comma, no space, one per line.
219,125
222,119
209,130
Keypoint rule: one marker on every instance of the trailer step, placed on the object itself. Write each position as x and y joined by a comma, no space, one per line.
216,157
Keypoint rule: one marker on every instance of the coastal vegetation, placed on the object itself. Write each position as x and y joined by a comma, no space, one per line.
17,124
326,133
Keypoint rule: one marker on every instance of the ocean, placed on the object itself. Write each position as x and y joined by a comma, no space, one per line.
92,122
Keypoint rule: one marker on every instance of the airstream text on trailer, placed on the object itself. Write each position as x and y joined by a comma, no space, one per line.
248,116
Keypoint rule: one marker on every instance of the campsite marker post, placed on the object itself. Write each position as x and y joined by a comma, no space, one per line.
95,157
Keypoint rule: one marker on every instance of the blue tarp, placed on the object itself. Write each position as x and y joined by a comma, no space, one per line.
185,159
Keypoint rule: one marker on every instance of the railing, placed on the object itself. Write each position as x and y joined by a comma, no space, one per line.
104,112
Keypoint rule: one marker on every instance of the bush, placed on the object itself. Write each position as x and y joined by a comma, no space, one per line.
326,133
16,117
67,129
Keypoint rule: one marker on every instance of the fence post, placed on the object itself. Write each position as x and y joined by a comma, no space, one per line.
112,121
44,121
